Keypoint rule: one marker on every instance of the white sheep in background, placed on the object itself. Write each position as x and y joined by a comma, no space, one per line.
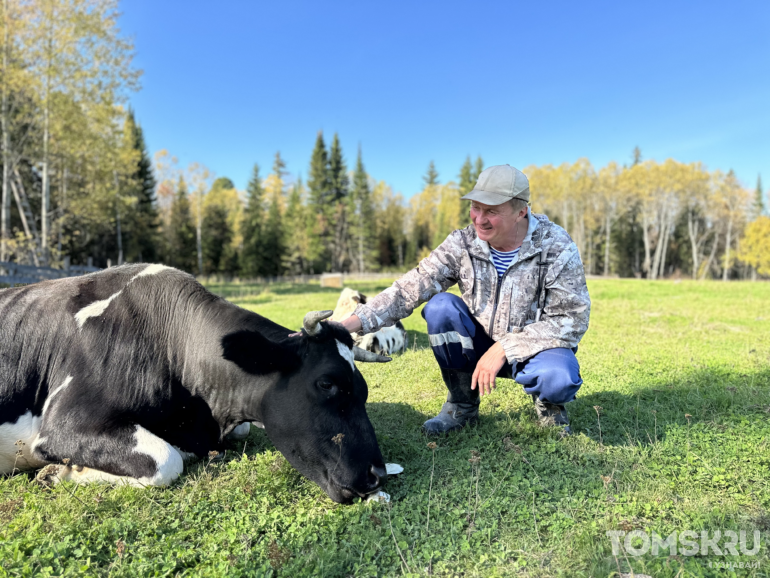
386,341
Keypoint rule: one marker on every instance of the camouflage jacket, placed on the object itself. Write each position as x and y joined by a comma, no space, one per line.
505,307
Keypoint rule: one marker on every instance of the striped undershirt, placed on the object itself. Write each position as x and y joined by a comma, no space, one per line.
501,260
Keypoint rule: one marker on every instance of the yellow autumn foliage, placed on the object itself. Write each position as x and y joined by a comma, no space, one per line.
755,246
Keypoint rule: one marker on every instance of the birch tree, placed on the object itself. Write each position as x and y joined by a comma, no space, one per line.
610,195
734,201
78,58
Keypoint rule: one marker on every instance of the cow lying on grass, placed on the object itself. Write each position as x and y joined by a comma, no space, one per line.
120,375
386,341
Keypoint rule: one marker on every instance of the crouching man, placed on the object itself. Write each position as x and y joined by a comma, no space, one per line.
524,305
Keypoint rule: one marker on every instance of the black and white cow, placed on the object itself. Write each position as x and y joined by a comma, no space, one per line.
120,375
385,341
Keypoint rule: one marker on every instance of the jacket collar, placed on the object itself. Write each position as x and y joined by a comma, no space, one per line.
529,247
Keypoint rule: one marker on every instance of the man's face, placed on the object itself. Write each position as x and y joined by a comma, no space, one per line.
498,225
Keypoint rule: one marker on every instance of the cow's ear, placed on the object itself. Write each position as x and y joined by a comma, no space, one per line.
256,354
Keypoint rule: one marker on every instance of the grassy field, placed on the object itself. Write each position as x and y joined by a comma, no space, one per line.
672,433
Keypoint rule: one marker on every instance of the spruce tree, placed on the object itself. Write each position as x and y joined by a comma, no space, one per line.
217,253
759,201
318,182
467,182
478,167
181,232
278,165
318,211
252,254
339,216
142,225
295,254
274,245
364,234
217,238
338,176
273,241
431,176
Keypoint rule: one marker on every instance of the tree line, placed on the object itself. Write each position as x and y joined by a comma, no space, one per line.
78,183
646,219
339,220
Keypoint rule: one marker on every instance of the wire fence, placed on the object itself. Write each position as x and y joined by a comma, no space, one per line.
231,287
13,274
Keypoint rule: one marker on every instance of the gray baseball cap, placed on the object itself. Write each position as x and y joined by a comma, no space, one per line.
499,184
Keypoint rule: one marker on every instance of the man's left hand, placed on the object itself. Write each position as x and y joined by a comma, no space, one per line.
486,369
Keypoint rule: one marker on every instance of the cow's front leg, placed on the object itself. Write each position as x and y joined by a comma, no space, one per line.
120,455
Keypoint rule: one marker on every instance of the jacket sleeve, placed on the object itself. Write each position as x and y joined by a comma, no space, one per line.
436,273
565,314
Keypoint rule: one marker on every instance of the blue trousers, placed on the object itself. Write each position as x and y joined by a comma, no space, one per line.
458,342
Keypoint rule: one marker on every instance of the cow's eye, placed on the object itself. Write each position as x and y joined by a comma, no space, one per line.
327,386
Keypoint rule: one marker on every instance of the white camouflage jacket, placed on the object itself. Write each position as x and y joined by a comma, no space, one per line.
506,308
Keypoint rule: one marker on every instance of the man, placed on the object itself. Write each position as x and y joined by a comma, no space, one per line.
524,305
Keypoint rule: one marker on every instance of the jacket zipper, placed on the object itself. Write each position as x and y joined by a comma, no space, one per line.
497,296
497,288
497,291
494,303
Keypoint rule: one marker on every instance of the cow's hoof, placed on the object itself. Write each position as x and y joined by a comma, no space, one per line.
49,475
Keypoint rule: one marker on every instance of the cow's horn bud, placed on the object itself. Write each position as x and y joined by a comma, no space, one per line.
312,319
369,356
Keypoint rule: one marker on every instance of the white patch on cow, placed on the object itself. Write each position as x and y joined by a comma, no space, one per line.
150,270
38,441
346,353
24,429
347,303
98,307
240,432
54,392
169,460
258,424
394,469
391,340
94,310
91,476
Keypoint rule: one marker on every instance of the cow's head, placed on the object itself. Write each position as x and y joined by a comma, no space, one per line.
315,412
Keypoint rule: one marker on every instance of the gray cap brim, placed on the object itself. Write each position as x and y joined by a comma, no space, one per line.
491,198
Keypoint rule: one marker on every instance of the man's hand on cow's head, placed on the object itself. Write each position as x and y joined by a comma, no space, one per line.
487,368
352,324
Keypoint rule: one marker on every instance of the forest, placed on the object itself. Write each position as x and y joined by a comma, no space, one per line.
79,185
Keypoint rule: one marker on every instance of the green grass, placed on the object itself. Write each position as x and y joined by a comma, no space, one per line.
680,372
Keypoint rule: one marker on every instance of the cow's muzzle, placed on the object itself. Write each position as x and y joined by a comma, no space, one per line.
376,477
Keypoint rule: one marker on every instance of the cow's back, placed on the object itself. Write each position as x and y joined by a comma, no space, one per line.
33,324
96,325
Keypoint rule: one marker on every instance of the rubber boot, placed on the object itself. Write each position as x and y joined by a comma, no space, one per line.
461,407
549,414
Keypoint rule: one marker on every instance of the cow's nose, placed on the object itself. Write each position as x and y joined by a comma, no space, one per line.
377,477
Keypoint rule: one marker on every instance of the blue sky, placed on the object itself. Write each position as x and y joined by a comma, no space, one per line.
229,83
